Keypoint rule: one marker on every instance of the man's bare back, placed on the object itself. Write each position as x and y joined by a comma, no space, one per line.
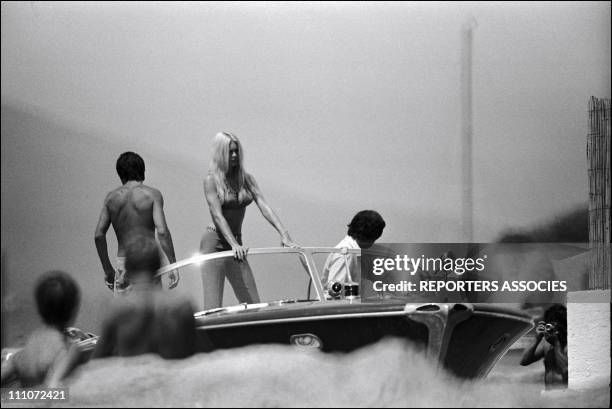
132,209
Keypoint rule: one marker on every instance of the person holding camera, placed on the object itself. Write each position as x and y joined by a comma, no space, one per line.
551,344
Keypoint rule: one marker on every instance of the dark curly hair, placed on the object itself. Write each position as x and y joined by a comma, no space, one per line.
130,166
57,298
558,313
366,225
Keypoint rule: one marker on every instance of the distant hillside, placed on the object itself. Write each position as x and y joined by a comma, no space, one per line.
570,227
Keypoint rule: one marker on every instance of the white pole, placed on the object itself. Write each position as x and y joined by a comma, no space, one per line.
467,217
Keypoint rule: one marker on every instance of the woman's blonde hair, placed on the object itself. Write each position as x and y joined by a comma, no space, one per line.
219,166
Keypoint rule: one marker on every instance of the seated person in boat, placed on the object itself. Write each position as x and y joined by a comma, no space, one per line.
364,229
147,320
551,344
57,299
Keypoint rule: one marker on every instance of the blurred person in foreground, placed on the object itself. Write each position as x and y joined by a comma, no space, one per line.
551,344
147,320
57,299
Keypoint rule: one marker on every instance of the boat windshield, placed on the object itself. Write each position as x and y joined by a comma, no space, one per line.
279,274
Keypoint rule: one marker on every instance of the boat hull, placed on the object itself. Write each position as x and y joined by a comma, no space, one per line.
466,339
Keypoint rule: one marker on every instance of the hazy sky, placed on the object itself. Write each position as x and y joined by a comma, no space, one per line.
325,92
340,107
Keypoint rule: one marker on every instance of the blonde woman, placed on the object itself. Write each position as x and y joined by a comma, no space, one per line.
229,189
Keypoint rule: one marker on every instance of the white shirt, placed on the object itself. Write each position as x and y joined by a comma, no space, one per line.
336,268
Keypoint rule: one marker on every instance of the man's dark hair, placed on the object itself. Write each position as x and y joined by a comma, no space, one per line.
142,255
130,166
558,313
57,298
366,225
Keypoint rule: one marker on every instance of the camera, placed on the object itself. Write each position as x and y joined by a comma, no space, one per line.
546,329
549,329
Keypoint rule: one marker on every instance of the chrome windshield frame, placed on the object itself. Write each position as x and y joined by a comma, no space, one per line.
305,252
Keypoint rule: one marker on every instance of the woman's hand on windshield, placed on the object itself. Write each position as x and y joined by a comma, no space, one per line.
287,242
240,252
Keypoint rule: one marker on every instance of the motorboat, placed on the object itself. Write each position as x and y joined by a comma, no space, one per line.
296,308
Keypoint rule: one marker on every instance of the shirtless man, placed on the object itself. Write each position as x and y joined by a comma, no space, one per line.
147,320
551,344
132,207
